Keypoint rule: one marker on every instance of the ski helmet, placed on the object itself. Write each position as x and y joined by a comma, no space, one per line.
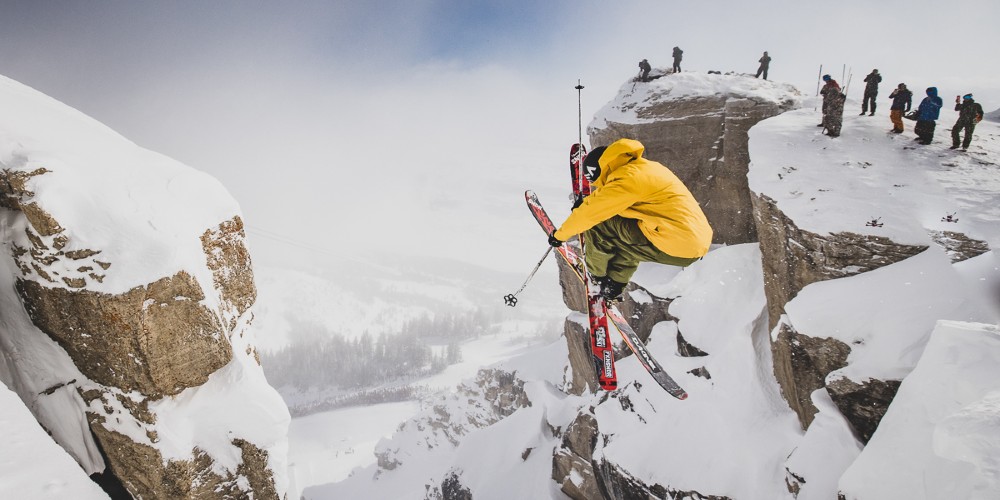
591,166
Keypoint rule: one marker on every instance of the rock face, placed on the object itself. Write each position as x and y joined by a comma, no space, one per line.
154,340
701,137
801,365
794,258
157,339
572,466
863,404
128,286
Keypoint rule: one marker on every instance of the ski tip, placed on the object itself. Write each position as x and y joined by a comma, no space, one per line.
682,396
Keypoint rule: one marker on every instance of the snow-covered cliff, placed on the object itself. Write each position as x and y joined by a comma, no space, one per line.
791,348
125,294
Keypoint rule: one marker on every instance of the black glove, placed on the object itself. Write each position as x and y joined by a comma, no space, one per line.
554,241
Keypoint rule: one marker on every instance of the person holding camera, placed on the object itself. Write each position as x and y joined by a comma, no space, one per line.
970,113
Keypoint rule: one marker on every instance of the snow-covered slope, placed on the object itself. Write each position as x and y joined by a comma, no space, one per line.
737,414
32,465
941,436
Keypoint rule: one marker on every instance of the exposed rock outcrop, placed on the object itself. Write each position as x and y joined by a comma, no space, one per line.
128,286
801,364
572,467
494,395
863,403
581,377
618,484
158,339
142,345
794,258
702,138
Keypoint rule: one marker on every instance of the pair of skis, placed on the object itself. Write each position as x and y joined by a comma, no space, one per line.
598,310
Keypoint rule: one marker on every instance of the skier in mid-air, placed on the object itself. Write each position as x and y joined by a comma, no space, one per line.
638,211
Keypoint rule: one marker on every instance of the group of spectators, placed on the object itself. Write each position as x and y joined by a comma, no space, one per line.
678,55
969,111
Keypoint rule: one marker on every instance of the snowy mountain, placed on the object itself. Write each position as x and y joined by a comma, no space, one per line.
840,339
124,313
849,349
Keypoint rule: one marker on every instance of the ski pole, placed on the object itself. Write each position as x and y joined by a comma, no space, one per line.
819,78
511,298
579,110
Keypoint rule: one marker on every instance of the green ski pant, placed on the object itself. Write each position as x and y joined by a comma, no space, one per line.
616,246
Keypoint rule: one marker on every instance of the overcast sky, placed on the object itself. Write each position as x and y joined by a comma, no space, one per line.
347,125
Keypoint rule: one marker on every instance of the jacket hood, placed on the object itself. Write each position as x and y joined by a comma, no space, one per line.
932,91
617,154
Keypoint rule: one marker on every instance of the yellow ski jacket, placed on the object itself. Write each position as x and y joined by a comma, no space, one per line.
636,188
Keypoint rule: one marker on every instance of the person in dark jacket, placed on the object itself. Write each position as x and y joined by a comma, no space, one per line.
678,55
902,99
871,91
765,62
969,114
833,106
645,68
927,114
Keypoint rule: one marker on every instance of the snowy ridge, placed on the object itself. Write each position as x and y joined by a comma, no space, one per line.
636,101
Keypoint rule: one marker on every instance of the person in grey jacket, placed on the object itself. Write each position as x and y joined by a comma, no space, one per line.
871,91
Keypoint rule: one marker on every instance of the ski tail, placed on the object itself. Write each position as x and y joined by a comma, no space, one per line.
602,352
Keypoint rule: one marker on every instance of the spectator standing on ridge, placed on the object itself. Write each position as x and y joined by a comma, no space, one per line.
902,99
871,91
639,211
927,113
833,107
970,113
645,68
765,62
678,55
